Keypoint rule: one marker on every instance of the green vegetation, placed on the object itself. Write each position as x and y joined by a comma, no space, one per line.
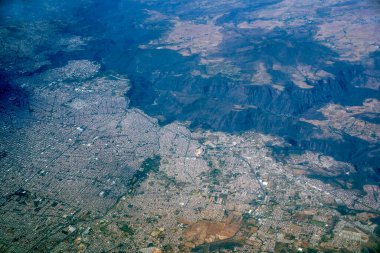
151,220
125,228
215,173
168,248
246,217
103,228
222,164
318,223
325,237
168,180
3,247
149,165
372,246
283,248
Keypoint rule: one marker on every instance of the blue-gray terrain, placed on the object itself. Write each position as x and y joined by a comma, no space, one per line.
303,72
